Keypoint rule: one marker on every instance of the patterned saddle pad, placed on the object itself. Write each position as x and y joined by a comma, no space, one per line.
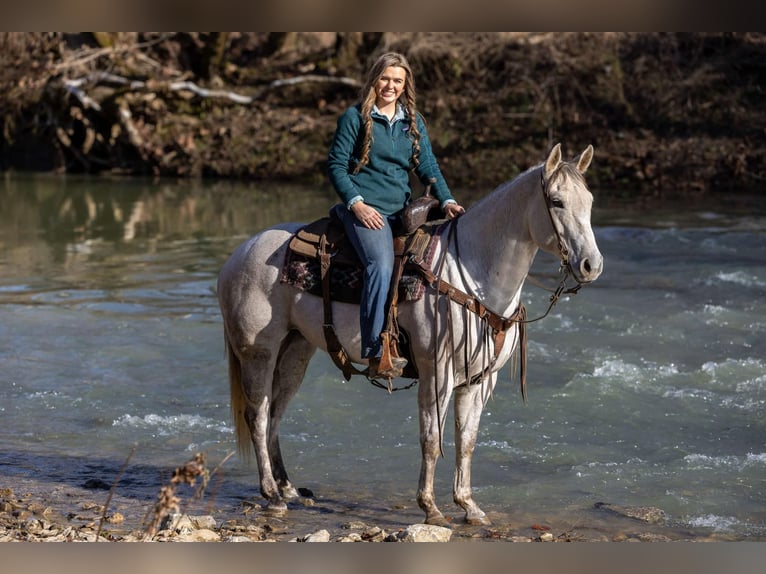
301,268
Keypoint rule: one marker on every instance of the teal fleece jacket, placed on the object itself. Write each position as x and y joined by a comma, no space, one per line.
384,182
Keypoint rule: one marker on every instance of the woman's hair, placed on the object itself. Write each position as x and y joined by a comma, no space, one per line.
367,98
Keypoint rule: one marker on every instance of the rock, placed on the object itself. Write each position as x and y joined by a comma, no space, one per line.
425,533
353,537
320,536
651,537
180,523
354,525
185,524
205,521
202,535
237,539
619,537
115,518
546,537
650,514
374,534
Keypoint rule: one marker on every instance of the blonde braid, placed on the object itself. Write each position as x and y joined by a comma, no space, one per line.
413,114
367,105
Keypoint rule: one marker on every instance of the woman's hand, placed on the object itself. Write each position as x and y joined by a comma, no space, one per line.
452,210
368,216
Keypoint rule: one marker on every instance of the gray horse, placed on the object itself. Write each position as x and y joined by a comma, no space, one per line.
273,329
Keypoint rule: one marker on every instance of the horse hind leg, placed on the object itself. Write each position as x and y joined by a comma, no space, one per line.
292,362
253,407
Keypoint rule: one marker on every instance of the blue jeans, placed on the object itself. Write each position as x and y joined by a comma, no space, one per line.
375,248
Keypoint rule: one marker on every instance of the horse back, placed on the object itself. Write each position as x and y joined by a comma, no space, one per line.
254,265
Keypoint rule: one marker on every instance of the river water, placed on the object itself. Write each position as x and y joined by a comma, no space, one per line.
646,388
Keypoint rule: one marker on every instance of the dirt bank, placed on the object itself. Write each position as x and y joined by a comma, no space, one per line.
669,114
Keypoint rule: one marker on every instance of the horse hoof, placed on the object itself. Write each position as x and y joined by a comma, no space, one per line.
481,520
276,508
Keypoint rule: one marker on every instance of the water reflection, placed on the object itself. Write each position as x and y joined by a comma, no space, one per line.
47,219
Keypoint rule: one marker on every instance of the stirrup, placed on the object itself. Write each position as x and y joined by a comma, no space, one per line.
395,370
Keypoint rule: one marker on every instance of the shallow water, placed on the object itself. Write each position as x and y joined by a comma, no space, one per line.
646,388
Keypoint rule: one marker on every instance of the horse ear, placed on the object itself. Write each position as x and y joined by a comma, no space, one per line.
584,160
553,161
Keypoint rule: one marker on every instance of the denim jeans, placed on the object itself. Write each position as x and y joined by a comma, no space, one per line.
375,248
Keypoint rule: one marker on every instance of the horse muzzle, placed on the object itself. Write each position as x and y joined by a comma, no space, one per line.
587,269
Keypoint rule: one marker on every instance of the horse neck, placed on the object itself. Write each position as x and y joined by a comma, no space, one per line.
495,246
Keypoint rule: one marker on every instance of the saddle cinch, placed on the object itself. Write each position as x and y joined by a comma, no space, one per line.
321,260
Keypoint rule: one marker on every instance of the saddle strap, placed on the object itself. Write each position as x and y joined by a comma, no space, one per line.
334,347
499,324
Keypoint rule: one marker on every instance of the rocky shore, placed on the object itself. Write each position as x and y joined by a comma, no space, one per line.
75,515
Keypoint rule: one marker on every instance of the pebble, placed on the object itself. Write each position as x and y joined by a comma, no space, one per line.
115,518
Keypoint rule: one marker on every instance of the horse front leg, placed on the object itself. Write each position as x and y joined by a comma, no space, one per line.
469,403
430,450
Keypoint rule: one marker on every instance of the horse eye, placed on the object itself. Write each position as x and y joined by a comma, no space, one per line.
556,202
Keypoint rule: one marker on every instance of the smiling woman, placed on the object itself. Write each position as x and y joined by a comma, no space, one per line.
377,143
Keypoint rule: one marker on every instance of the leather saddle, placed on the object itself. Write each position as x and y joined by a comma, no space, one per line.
322,251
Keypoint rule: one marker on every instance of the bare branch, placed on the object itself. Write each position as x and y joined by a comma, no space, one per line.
98,52
73,87
315,78
204,93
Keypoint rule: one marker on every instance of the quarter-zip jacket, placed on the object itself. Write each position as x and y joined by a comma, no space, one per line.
384,182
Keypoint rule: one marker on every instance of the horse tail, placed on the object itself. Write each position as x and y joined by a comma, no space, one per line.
241,429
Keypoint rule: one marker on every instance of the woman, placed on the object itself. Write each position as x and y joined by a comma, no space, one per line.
376,144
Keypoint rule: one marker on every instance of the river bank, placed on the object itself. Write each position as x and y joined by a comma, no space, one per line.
670,114
32,510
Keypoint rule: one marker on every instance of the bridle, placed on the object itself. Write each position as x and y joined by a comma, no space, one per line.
565,268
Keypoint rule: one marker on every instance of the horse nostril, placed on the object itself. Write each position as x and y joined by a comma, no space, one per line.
585,266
